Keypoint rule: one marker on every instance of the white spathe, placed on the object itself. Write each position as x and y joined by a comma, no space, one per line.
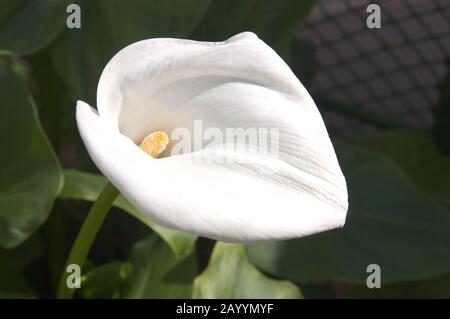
162,84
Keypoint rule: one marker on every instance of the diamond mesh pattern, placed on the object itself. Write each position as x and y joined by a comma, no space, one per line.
393,71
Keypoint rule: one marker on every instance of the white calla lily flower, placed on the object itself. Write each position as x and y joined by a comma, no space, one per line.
158,85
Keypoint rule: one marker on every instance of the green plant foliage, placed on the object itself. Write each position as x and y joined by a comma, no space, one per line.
433,288
419,157
109,25
398,181
441,127
274,21
30,177
21,256
157,273
105,281
230,275
86,186
27,26
390,223
12,284
56,110
304,61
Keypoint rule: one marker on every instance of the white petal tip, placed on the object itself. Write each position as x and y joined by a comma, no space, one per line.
83,106
247,35
80,104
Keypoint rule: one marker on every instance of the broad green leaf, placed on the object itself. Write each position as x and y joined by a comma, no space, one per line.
419,157
27,26
273,21
429,289
105,281
230,275
303,60
390,223
86,186
12,284
321,290
30,177
56,109
157,273
22,255
109,25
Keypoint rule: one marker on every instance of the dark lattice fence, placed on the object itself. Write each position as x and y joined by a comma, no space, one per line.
390,74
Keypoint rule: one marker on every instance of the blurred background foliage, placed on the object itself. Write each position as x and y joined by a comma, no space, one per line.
398,175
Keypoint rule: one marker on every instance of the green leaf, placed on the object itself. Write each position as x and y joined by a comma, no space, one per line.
12,284
21,256
86,186
434,288
108,26
56,109
230,275
157,273
304,62
105,281
30,177
419,157
273,21
27,26
390,223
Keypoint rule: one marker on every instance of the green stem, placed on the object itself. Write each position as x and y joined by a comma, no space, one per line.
86,236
